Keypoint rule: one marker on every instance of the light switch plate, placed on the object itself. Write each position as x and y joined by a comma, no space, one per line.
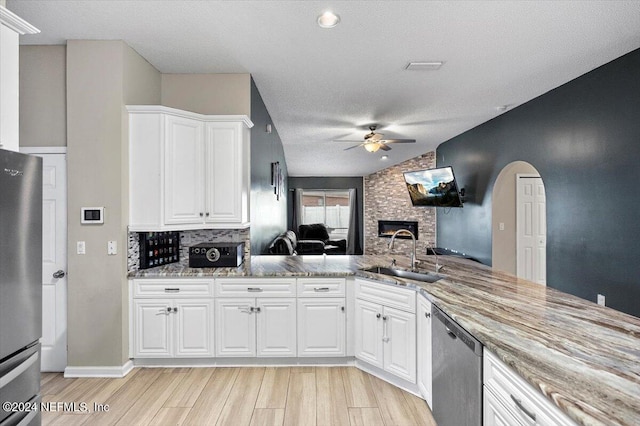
601,299
81,247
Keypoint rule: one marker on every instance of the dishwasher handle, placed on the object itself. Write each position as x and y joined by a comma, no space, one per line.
454,330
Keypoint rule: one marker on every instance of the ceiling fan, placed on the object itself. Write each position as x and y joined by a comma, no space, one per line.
374,141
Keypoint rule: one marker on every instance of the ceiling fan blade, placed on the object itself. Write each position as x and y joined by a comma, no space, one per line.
398,141
347,140
354,146
384,147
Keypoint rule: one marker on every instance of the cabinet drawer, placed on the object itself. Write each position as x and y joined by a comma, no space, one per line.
172,288
522,400
321,287
386,295
255,287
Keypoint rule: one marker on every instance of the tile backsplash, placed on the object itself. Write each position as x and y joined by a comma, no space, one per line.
188,239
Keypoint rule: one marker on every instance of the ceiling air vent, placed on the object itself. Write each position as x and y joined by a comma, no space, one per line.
424,66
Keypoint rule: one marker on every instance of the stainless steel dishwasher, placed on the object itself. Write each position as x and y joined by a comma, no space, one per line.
457,373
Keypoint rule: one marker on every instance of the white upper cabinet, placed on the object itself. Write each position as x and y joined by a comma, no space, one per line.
11,26
187,170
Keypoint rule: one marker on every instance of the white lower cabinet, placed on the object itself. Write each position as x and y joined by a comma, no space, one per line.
249,327
510,400
321,327
386,335
423,319
167,328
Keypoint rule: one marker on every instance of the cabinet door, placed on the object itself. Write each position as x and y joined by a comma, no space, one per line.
494,413
321,327
153,322
8,89
184,176
368,332
399,336
276,321
235,326
224,168
194,328
424,348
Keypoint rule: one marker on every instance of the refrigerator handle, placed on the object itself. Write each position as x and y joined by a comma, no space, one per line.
21,368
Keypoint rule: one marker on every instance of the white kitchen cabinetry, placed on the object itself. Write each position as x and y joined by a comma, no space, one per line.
255,317
11,26
510,400
385,324
168,322
187,170
423,319
321,317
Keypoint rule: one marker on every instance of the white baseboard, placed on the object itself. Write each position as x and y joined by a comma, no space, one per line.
389,378
244,362
114,372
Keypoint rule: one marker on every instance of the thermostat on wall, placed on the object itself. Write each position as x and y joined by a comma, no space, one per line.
92,215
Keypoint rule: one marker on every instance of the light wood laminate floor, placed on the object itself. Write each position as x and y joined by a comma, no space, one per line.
297,396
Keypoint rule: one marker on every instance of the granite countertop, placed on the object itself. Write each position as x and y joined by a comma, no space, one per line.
583,357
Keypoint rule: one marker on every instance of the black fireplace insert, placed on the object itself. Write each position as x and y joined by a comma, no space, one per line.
386,228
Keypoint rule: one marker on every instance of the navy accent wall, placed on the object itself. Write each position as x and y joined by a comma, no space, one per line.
331,183
268,216
584,139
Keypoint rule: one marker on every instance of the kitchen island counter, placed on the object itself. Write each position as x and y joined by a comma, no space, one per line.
583,357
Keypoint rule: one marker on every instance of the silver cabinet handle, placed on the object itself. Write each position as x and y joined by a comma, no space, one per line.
58,274
319,289
171,290
522,408
385,338
254,289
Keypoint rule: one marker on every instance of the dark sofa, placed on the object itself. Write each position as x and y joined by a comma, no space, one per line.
314,239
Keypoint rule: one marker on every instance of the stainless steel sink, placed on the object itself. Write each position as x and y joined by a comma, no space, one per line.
426,277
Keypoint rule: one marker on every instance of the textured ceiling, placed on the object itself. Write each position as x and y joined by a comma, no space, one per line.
325,84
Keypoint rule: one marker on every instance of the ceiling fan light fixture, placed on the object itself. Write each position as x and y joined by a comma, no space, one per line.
328,20
372,146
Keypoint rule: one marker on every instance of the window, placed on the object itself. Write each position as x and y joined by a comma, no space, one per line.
330,207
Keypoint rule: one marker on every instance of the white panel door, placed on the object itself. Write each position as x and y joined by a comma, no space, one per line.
223,150
194,328
276,322
235,327
368,332
399,337
531,237
321,327
54,262
153,324
184,177
424,349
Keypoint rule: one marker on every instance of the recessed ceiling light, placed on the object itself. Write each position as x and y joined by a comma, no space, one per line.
424,66
328,20
384,157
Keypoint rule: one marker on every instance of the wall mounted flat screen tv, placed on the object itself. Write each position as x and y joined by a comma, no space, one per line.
433,188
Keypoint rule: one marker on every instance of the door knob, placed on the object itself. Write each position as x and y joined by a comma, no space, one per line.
58,274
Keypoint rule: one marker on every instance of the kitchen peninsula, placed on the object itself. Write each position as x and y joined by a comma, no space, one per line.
583,357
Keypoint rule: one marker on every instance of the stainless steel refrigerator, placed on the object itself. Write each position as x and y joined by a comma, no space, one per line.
20,287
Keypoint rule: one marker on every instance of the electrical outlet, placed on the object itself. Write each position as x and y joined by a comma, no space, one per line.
81,247
501,226
601,299
112,248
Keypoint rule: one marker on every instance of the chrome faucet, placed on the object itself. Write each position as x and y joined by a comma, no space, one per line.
437,267
413,237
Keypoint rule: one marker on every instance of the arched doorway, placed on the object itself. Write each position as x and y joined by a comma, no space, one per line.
519,222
